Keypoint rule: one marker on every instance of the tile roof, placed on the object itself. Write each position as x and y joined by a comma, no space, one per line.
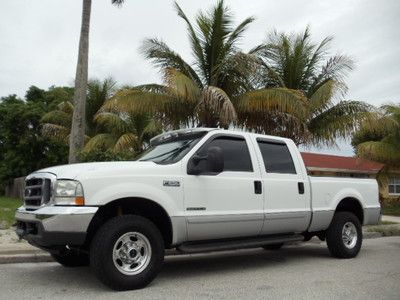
316,161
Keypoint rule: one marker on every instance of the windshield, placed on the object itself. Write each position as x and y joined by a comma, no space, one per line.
170,151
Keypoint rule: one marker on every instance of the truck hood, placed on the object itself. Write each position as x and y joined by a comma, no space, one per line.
83,170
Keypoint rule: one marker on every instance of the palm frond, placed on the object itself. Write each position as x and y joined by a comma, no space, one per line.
117,2
57,117
336,68
237,33
112,122
135,100
380,151
102,141
56,132
215,108
181,86
339,121
322,98
164,57
126,142
66,106
152,88
194,39
280,100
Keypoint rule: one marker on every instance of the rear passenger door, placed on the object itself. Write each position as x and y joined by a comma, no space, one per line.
225,205
286,194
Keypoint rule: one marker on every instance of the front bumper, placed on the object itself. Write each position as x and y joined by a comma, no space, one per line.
52,226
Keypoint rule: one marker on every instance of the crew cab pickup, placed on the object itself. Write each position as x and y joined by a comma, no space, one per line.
195,190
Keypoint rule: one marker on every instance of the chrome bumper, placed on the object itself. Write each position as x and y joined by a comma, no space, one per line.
54,225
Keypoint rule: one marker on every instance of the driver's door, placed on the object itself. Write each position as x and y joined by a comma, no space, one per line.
229,204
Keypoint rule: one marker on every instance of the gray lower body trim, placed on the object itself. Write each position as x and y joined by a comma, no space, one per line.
179,230
280,222
206,227
372,215
321,220
224,218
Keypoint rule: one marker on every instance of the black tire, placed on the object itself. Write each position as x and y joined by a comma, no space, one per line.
273,246
101,252
336,244
71,259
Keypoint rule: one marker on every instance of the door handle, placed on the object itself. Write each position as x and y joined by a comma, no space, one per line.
257,187
300,186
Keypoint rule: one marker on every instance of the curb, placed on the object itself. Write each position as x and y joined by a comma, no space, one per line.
25,258
371,235
37,256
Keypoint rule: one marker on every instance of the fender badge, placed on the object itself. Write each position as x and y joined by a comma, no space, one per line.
172,183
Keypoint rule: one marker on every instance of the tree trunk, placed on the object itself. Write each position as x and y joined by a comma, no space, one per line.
77,136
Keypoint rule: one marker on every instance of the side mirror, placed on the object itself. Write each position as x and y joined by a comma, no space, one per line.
212,163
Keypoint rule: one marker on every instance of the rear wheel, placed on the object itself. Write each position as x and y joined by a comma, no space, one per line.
127,252
344,235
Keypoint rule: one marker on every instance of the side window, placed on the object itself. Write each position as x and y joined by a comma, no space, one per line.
236,153
277,158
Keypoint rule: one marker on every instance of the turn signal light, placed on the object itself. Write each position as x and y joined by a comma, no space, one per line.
80,201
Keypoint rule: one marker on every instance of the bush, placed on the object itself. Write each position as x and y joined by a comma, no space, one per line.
391,206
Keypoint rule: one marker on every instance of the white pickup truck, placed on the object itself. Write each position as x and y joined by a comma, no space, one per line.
195,190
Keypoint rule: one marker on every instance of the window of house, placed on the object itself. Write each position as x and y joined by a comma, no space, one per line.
277,158
236,153
394,186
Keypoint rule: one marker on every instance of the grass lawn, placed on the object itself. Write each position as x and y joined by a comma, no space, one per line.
391,209
8,207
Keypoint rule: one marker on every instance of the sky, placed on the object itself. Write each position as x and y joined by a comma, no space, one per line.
39,40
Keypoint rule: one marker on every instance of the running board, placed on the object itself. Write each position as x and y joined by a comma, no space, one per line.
222,245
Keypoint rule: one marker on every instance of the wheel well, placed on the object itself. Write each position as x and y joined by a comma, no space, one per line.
351,205
138,206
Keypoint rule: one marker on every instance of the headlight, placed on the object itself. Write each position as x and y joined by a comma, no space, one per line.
69,192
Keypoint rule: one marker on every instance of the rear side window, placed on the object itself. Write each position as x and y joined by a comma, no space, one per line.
277,158
236,153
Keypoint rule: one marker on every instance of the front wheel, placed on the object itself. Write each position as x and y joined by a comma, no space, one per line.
344,235
127,252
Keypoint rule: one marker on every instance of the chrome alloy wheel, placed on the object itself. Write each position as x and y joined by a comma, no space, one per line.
349,235
132,253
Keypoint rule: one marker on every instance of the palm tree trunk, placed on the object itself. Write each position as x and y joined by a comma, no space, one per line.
77,136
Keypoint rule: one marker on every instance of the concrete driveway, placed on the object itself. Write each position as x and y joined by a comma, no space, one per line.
304,271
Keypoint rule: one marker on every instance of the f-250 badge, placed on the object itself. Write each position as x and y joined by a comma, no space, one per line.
173,183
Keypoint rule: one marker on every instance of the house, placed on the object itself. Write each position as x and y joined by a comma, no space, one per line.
345,166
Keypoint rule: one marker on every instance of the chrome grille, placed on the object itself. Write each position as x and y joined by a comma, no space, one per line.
37,192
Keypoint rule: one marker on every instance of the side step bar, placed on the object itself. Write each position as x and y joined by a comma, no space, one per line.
222,245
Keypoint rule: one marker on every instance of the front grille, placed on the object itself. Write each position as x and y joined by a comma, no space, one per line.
37,192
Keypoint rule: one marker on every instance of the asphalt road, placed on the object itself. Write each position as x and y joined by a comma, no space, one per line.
303,271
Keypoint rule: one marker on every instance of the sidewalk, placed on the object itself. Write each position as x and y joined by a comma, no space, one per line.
391,219
12,250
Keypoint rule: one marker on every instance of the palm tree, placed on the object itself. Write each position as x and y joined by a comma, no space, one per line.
294,62
57,123
379,138
77,136
123,132
202,92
